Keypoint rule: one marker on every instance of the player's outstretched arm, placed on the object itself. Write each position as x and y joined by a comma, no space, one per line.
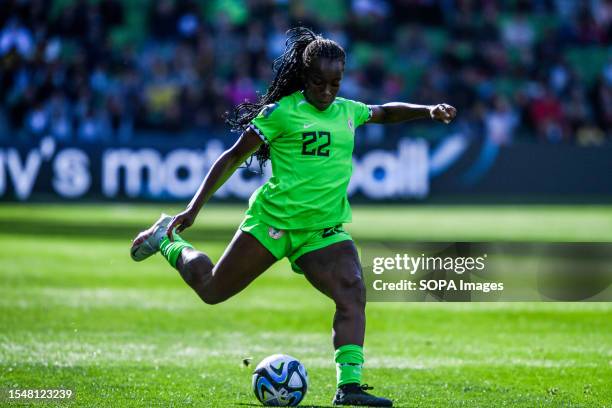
218,174
396,112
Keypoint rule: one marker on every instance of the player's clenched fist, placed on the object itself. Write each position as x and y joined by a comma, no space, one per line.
443,113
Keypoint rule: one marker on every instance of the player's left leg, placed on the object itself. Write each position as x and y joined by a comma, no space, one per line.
335,271
243,261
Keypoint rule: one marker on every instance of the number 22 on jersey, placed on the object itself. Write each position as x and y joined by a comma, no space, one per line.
316,143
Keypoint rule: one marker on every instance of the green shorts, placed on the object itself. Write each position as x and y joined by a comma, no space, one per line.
292,243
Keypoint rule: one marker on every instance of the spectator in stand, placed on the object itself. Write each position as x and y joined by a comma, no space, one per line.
576,109
501,121
603,95
547,116
93,126
518,32
241,88
60,121
16,37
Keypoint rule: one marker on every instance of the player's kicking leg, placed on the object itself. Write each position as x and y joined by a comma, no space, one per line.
335,270
243,261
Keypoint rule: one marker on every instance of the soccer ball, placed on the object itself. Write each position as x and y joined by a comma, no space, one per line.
280,381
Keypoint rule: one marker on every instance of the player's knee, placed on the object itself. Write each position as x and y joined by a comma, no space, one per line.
211,292
195,265
210,298
212,295
197,272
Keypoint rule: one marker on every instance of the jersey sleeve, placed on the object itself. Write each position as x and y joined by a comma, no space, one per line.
268,124
361,113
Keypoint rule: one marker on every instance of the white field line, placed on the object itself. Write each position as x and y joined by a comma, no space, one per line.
197,348
145,299
311,349
428,363
183,298
496,306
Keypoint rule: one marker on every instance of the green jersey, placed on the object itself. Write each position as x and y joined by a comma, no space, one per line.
311,153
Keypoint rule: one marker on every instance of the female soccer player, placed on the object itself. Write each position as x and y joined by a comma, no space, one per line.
307,133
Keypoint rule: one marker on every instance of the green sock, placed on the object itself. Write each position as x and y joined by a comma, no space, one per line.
171,250
349,361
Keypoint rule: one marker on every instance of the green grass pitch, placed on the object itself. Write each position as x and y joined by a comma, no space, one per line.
76,312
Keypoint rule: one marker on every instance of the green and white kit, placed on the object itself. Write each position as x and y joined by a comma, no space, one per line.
311,152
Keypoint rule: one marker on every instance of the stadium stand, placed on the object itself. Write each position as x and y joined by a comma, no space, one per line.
107,70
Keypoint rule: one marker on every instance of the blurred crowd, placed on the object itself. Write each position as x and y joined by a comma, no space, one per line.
109,70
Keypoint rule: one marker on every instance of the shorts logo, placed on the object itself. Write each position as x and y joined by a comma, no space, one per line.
275,233
328,232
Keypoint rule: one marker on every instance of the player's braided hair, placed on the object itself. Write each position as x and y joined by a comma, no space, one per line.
302,47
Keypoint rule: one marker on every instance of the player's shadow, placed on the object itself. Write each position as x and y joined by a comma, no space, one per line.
303,406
